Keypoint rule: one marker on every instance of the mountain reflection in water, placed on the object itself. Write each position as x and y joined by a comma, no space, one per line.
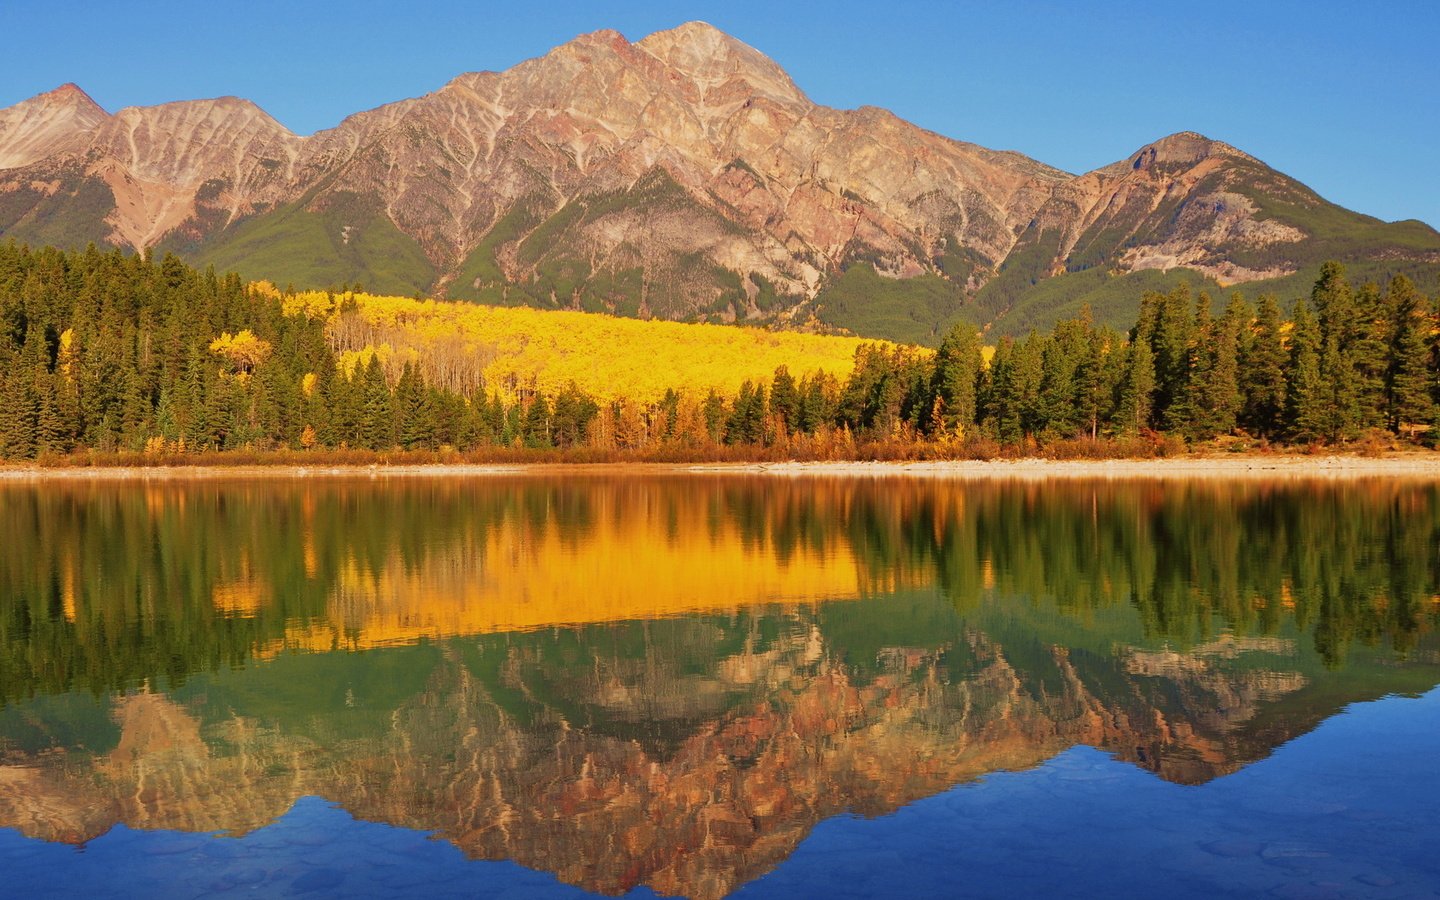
670,681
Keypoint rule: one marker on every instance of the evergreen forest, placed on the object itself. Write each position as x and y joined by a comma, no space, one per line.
109,355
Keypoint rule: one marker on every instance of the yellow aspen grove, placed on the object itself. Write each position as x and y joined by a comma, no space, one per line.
461,346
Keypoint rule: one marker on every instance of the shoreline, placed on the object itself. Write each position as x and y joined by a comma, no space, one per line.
1409,466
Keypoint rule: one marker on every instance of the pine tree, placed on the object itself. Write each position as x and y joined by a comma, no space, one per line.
957,373
17,418
1027,373
414,411
818,394
52,432
1340,384
1369,351
747,419
574,411
785,398
377,412
1215,388
1409,404
194,424
1136,395
1000,410
1339,381
1307,401
535,427
1064,351
1173,345
1262,370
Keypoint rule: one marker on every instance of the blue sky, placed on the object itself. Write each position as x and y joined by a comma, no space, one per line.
1344,96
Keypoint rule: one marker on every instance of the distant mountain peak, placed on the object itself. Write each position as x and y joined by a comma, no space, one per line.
712,58
70,92
46,124
1183,148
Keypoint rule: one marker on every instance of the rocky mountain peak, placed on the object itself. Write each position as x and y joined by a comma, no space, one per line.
70,94
713,59
1186,148
45,124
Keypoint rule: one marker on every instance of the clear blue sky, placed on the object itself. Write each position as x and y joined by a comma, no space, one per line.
1344,96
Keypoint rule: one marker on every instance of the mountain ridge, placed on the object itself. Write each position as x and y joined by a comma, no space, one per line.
683,175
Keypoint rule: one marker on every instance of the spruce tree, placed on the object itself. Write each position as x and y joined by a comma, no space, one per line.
17,418
1215,387
1136,395
52,432
1337,317
1064,351
1369,351
1027,374
414,411
1308,400
377,413
1410,405
784,399
1173,345
535,427
957,372
1262,372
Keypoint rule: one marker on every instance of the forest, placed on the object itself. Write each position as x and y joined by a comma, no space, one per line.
105,355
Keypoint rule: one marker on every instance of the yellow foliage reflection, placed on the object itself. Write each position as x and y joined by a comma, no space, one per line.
636,560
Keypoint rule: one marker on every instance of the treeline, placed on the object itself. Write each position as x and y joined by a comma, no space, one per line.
108,352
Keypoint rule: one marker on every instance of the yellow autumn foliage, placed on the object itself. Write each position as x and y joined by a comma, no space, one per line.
651,562
458,344
244,350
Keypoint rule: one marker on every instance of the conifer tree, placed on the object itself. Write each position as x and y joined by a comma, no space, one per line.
535,427
414,411
785,398
1173,345
1262,370
1064,351
747,420
17,418
1337,317
1027,374
714,414
817,402
1410,403
1307,401
1136,394
573,413
999,416
1215,389
377,413
1371,340
957,373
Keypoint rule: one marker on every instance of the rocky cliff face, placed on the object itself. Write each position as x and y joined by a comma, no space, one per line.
683,175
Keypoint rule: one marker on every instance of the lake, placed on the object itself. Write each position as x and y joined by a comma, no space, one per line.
705,685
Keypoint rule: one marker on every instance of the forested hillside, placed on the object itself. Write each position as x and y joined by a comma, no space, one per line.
108,352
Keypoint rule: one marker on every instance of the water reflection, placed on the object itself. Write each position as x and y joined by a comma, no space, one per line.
651,681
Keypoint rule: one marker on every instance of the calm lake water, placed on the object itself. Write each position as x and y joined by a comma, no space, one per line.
705,685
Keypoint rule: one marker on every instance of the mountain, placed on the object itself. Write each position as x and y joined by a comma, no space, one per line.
682,176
